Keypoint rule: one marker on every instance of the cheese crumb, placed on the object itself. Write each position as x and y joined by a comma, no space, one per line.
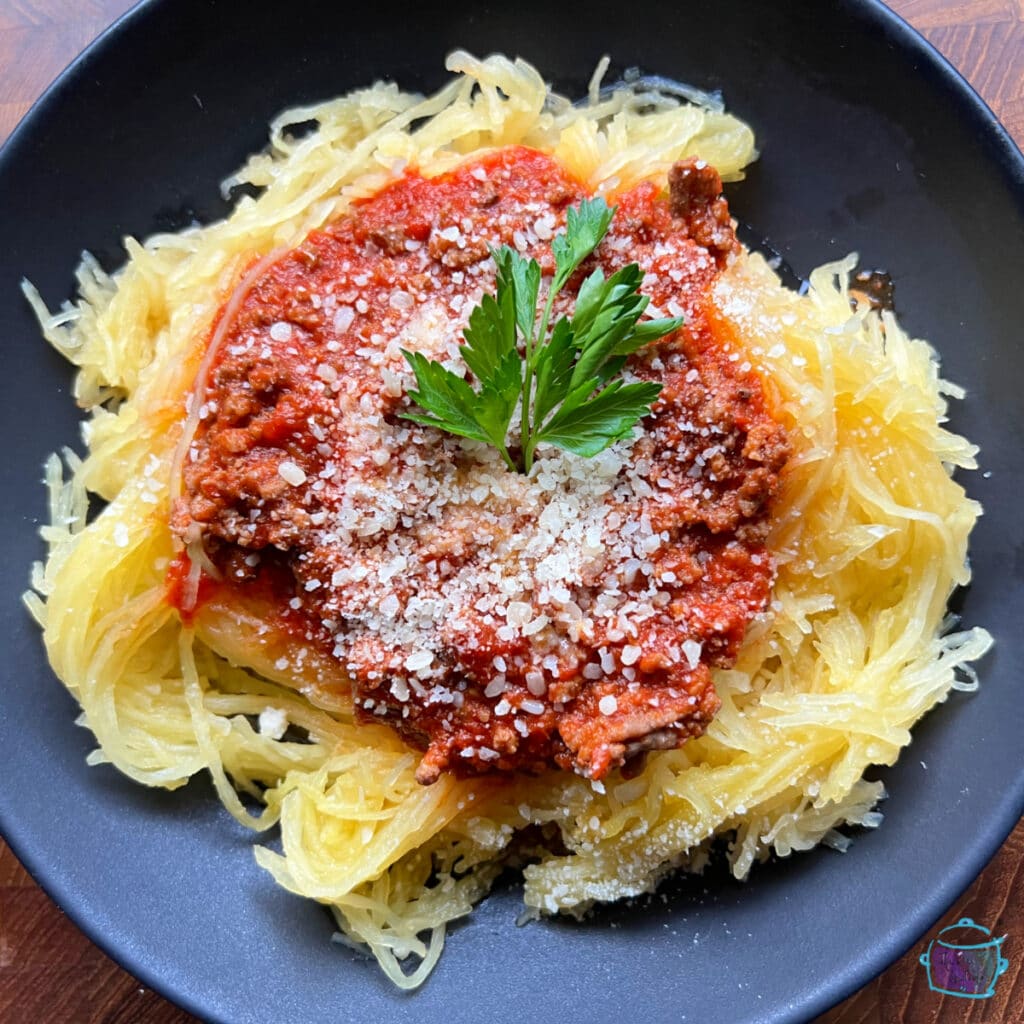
630,654
419,660
273,722
291,473
691,651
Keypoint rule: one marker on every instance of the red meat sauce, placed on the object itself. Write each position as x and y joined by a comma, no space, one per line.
498,622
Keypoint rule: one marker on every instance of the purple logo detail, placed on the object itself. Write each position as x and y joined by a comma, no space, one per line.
964,960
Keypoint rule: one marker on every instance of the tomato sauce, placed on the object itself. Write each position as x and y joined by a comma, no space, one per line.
498,622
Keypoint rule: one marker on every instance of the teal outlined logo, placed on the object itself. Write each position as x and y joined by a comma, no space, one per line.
964,960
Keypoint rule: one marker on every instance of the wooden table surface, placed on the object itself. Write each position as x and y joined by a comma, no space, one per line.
52,974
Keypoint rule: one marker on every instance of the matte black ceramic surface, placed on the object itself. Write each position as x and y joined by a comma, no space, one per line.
870,143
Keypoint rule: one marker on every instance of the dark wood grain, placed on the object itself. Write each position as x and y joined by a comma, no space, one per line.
901,995
52,974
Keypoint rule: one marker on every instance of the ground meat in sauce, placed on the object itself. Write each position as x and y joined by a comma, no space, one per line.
497,622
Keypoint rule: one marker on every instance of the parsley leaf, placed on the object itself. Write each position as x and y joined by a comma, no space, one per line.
564,382
520,278
586,225
596,423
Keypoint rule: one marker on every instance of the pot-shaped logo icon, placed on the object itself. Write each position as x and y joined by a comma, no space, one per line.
964,960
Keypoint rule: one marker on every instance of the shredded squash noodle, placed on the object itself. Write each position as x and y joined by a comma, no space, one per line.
870,537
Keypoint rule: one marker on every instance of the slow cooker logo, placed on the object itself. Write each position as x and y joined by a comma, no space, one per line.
964,960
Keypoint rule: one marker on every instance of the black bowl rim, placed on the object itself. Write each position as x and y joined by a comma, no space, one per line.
1003,151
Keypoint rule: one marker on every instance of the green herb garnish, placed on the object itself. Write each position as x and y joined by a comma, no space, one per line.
564,381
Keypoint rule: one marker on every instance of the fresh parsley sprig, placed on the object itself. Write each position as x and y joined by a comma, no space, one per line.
564,381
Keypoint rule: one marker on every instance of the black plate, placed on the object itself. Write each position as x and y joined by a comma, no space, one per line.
870,142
